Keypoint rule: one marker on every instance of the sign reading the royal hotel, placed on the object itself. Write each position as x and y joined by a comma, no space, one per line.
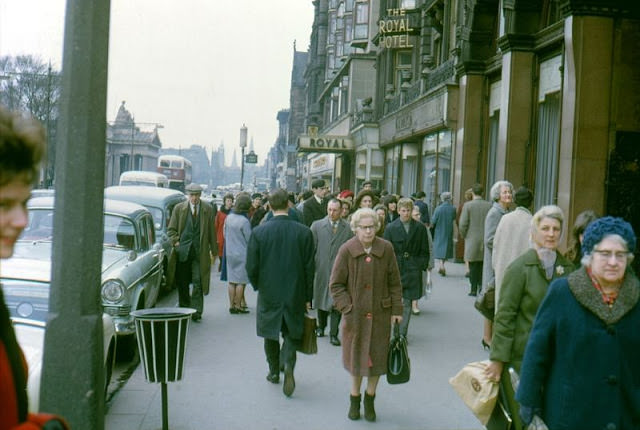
394,30
322,143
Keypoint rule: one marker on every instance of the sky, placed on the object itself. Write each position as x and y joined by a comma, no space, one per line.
199,68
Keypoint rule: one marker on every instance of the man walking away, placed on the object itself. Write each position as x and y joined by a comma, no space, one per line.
472,219
329,233
192,233
280,267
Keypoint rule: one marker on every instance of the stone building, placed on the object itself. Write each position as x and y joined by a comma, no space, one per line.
435,95
130,148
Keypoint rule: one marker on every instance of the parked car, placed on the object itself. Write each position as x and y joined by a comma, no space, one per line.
160,202
25,284
131,260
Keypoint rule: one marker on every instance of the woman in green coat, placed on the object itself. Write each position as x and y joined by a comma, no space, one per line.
524,286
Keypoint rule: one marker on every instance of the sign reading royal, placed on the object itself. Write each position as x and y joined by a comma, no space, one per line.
322,143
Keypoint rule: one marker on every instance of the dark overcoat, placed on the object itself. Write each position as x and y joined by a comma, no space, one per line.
327,243
412,254
366,290
208,242
313,211
281,268
582,362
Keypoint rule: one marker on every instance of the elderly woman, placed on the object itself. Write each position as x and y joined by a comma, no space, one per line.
365,285
237,230
524,285
580,368
501,194
443,220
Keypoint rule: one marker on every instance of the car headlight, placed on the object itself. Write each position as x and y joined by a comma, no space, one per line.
112,291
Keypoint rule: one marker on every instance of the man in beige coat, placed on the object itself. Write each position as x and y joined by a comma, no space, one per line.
472,219
192,233
512,237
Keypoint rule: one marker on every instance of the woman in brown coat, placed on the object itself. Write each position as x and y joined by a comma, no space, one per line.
365,285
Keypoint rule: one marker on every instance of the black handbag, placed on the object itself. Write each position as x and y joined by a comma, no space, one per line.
398,363
309,343
486,301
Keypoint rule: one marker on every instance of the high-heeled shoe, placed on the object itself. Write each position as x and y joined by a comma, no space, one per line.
485,345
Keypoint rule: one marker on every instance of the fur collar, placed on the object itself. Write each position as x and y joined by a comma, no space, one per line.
589,297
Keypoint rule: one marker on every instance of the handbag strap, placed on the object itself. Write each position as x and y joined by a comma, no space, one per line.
396,329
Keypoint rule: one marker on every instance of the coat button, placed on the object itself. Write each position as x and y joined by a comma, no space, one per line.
612,379
368,315
611,329
611,426
367,287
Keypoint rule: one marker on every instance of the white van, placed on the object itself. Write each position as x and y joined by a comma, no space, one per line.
140,177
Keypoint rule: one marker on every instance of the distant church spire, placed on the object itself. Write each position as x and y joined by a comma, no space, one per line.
234,162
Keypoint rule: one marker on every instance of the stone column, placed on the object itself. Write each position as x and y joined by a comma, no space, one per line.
586,101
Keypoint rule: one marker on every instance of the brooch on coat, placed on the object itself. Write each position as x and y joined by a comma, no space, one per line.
559,270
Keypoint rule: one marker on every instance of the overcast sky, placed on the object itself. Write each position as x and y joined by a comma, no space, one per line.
201,68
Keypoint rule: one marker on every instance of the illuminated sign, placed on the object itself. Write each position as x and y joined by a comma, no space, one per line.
394,30
322,143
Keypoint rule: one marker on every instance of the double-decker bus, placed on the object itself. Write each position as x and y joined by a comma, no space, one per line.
177,169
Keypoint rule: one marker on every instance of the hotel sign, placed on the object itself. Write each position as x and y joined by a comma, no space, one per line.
395,29
320,143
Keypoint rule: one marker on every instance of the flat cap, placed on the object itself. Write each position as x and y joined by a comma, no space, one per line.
318,183
193,188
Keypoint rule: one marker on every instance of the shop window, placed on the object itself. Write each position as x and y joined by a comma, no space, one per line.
409,168
361,29
547,150
436,165
391,168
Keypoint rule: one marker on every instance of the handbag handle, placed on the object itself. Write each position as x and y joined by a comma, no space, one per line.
396,329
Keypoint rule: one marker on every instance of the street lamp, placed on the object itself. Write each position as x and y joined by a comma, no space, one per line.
243,144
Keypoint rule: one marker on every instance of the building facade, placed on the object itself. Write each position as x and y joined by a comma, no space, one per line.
436,95
130,148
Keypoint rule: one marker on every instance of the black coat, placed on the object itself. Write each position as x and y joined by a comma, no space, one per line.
412,254
313,211
280,266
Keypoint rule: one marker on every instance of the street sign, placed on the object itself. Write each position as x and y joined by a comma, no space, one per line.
251,158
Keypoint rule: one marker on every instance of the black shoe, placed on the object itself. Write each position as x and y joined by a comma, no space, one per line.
289,382
319,332
196,317
333,340
242,310
472,294
274,378
233,310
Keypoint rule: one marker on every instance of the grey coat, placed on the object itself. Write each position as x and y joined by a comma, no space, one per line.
327,245
442,221
490,225
472,219
237,230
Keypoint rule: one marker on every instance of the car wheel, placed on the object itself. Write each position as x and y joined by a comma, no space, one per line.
127,348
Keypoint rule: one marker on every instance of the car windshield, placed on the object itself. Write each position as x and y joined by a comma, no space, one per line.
40,226
157,215
119,232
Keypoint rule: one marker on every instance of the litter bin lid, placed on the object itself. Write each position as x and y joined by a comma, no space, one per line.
162,313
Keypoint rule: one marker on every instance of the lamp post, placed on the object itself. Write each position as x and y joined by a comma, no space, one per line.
243,144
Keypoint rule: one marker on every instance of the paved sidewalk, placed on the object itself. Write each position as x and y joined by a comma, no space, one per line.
224,384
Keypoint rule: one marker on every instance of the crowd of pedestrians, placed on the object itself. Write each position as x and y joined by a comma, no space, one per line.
363,260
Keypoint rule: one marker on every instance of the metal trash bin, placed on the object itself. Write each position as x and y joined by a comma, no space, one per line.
162,341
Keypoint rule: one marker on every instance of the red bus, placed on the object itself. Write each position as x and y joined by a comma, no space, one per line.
177,169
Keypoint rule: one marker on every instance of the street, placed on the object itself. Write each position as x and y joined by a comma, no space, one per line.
224,384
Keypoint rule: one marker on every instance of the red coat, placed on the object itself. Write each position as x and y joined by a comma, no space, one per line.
367,290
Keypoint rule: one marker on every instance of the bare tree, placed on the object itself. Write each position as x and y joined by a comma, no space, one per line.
28,84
